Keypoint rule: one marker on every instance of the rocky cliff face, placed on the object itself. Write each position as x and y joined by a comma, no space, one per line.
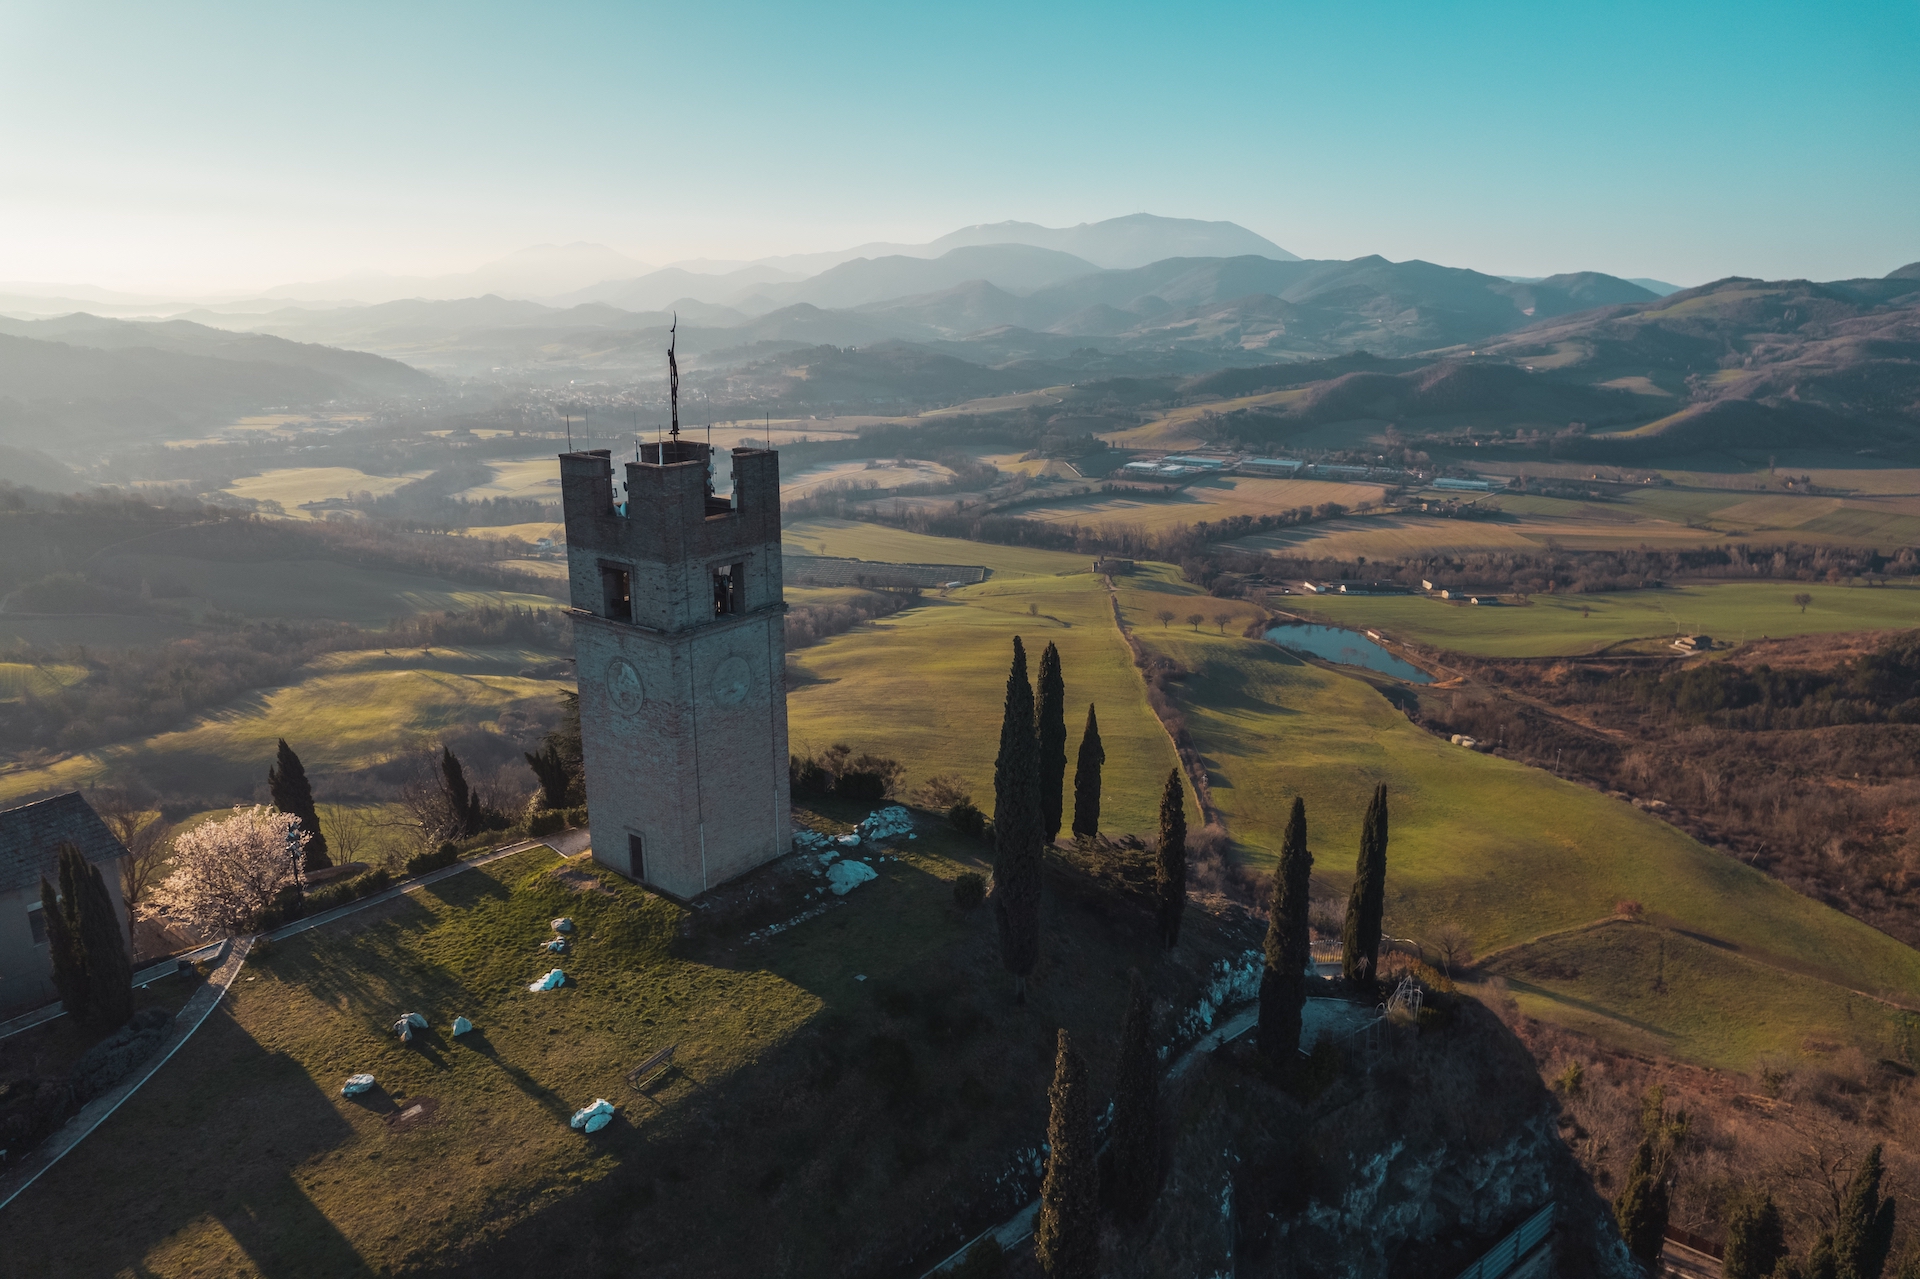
1409,1164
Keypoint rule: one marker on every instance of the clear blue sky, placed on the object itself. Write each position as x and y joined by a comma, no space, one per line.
234,146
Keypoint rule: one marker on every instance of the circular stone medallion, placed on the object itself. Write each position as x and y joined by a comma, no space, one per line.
731,680
623,686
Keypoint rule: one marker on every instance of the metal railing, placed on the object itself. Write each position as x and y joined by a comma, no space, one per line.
1506,1254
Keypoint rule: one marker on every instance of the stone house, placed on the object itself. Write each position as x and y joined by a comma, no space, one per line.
30,839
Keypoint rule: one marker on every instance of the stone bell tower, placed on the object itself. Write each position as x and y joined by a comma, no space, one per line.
680,637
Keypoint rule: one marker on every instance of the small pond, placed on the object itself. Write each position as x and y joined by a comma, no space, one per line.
1350,648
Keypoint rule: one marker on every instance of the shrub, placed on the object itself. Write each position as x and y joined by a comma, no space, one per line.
1628,909
546,822
967,819
339,894
861,787
985,1260
969,890
115,1057
445,855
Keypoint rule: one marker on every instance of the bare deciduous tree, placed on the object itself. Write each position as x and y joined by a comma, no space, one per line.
1452,945
1194,620
1164,616
143,832
349,832
228,873
1221,620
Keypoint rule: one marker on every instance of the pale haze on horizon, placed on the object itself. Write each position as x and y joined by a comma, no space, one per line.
206,149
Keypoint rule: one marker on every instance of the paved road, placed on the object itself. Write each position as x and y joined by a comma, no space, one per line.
207,998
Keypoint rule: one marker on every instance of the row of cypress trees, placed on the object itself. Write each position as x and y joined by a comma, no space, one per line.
1029,778
92,968
1028,775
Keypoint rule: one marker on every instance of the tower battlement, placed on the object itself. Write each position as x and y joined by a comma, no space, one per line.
680,641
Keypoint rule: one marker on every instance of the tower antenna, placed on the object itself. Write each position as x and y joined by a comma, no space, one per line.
673,375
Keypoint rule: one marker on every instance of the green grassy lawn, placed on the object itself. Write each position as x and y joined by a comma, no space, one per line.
20,680
351,710
828,1086
1508,852
1658,990
1557,625
926,686
319,589
877,542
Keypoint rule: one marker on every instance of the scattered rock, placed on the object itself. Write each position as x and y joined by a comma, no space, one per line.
844,877
595,1117
563,925
891,822
417,1021
404,1029
552,981
558,945
355,1085
461,1026
848,841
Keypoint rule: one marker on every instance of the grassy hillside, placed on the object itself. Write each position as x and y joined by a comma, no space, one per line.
832,1082
1512,854
1554,625
351,711
925,686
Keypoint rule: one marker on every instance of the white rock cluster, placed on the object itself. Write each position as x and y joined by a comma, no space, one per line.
407,1025
595,1117
891,822
552,981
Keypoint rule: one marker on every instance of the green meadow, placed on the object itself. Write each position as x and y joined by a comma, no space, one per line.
1510,853
925,686
349,711
1568,625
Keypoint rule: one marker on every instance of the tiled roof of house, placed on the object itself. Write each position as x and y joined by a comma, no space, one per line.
31,835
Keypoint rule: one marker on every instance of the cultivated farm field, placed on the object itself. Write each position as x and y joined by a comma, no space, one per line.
1566,625
1206,499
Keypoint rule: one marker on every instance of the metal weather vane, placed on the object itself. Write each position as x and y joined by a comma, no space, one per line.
673,374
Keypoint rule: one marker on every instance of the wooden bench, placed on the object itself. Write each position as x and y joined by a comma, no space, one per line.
637,1078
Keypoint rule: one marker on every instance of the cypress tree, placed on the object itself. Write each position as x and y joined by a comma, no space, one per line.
1756,1238
1283,984
1864,1234
293,795
1053,741
109,965
59,914
463,803
1360,949
1135,1149
1066,1238
1016,829
1170,866
1086,779
1643,1205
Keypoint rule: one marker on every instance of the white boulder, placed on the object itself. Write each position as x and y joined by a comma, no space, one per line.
558,945
595,1117
355,1085
461,1026
843,877
552,981
563,925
